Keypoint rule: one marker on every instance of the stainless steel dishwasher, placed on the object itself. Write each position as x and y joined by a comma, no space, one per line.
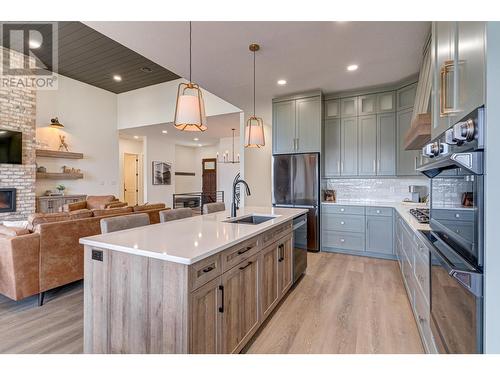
299,246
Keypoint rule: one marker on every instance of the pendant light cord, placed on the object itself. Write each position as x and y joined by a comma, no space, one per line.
253,83
190,44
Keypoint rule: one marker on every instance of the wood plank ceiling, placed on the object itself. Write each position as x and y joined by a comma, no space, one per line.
91,57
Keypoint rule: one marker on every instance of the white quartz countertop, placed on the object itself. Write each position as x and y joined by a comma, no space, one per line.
403,209
190,240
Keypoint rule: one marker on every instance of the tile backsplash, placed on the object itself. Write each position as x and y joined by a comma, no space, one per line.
379,189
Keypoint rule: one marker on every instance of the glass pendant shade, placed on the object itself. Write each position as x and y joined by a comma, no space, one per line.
190,108
254,133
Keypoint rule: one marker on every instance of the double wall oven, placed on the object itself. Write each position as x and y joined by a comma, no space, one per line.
454,162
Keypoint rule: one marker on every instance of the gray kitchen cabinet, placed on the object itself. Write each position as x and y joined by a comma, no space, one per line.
406,97
367,145
386,144
349,106
367,104
284,127
379,234
349,146
332,147
297,125
406,161
457,91
308,120
332,108
386,102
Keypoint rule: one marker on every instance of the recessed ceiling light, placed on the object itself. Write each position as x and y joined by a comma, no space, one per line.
196,139
164,131
282,82
146,69
352,68
136,137
117,78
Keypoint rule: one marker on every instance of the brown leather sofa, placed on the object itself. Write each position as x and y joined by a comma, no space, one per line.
95,202
49,256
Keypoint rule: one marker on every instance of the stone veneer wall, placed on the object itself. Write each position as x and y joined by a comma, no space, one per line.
379,189
17,112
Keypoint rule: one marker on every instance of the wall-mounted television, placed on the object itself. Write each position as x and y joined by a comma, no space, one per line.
11,147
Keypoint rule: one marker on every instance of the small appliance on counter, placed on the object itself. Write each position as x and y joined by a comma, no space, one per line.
329,195
417,193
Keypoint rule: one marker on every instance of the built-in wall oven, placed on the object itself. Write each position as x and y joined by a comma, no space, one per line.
455,166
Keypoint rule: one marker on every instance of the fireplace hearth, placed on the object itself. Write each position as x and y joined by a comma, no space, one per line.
7,200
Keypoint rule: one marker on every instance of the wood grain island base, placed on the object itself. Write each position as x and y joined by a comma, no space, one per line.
140,304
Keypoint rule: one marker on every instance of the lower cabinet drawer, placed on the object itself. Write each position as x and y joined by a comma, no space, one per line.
236,254
344,240
344,223
422,274
338,209
203,271
379,211
422,314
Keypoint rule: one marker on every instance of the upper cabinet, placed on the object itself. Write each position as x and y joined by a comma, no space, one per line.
297,125
332,108
406,97
458,58
367,104
386,102
349,107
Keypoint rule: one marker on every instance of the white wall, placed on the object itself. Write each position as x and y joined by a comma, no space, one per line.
187,160
156,105
89,116
492,198
158,149
131,146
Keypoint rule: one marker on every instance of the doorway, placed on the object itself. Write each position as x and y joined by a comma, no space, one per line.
132,179
209,180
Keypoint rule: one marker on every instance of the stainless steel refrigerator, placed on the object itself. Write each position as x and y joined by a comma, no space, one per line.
296,184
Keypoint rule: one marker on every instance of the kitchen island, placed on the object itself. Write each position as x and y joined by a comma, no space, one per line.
197,285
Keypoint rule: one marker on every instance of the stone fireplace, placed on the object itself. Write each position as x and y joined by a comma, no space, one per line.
17,112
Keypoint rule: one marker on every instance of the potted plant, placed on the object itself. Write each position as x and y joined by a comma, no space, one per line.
61,188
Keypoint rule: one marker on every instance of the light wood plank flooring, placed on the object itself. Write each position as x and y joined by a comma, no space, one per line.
344,304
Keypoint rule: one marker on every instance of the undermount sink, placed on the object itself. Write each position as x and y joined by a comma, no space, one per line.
251,219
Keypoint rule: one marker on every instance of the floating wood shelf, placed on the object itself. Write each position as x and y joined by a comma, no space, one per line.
59,154
59,176
419,133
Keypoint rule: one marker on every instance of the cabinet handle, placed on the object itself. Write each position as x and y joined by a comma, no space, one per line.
221,308
447,67
378,166
342,223
342,210
374,166
281,251
338,166
208,269
378,211
342,240
249,263
244,251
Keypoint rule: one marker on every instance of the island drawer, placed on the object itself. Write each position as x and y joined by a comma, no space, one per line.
379,211
203,271
338,209
236,254
275,234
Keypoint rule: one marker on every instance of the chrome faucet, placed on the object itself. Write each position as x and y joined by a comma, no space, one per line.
233,204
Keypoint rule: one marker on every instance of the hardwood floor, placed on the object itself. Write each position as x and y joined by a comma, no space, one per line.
344,304
55,327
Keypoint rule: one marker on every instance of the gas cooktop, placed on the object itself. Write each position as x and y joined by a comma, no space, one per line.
421,214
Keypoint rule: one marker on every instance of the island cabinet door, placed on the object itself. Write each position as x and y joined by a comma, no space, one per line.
268,287
240,312
285,252
206,319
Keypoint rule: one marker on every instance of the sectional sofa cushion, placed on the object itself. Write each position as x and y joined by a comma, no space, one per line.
151,206
39,218
13,231
111,211
80,214
99,201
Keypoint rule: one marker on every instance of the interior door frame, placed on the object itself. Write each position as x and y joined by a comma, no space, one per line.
139,177
208,160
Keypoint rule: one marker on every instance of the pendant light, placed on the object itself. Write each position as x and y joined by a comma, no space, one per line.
190,108
54,123
225,156
254,130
